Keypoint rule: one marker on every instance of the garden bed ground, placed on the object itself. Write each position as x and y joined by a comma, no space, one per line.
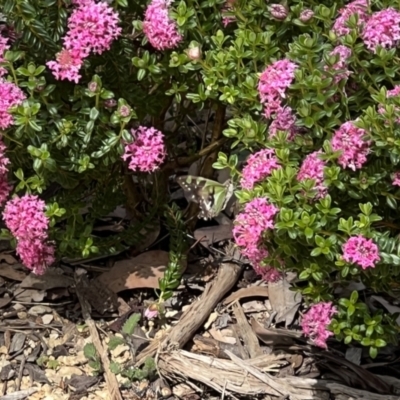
225,335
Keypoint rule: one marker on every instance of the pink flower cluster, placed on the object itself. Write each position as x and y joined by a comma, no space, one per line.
3,47
249,227
313,168
359,7
92,27
341,65
396,179
11,95
160,30
284,120
147,151
272,86
5,187
350,140
361,251
273,83
383,28
315,323
258,167
26,220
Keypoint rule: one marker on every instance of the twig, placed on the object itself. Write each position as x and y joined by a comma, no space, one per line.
112,383
23,394
20,372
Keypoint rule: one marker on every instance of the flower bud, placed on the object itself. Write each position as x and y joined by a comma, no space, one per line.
194,53
125,111
110,103
92,86
278,11
306,15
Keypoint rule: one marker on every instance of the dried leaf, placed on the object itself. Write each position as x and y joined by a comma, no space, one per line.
82,382
9,271
5,301
284,301
49,280
142,271
35,373
213,234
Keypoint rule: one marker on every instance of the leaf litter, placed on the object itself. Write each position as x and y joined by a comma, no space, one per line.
231,325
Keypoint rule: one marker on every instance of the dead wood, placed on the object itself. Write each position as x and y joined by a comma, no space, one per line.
197,313
247,378
111,380
229,376
213,347
252,291
247,334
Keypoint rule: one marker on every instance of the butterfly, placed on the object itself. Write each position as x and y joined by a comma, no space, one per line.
211,196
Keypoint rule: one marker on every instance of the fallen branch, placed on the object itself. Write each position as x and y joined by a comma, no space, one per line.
230,376
197,313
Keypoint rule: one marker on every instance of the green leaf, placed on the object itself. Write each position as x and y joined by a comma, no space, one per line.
373,352
115,368
114,342
380,343
90,351
130,324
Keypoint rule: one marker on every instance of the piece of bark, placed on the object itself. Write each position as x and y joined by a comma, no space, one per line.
251,291
249,338
199,311
214,347
229,377
111,380
196,315
20,395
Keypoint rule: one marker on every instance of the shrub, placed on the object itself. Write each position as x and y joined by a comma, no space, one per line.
311,90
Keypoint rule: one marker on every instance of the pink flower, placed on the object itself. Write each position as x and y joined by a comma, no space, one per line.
273,83
396,179
361,251
316,321
350,140
383,29
35,254
66,67
359,7
5,189
151,312
341,65
257,217
147,151
313,168
306,15
284,121
227,18
3,47
11,95
92,27
267,274
258,167
160,30
25,218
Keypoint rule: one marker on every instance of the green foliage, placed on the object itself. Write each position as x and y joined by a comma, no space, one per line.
90,352
177,253
67,140
130,324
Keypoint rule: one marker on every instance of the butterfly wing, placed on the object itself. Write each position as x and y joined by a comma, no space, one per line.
211,196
